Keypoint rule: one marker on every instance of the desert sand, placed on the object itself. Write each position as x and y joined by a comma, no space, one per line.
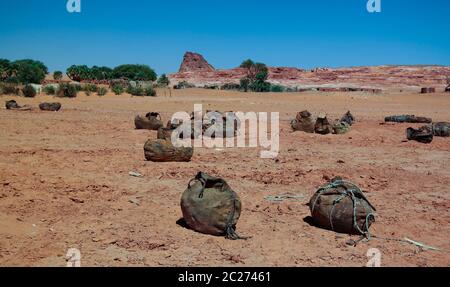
65,183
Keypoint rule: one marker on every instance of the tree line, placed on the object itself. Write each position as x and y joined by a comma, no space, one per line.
29,71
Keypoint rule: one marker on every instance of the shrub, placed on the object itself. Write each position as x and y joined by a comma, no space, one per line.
277,89
49,90
102,91
78,87
230,86
117,89
90,87
260,87
291,90
260,84
136,91
245,84
211,87
150,92
10,89
67,91
163,81
183,85
29,92
57,75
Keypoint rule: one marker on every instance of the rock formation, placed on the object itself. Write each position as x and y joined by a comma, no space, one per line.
196,70
193,62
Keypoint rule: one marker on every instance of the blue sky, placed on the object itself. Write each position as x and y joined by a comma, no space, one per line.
297,33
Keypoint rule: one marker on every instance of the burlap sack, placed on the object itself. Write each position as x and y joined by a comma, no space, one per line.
341,206
162,150
210,206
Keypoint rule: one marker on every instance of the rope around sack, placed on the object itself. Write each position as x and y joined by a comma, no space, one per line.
348,192
365,234
230,230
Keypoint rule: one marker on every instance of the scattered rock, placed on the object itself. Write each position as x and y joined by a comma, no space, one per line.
76,200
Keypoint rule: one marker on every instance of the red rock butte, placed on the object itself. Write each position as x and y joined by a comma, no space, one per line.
196,70
193,62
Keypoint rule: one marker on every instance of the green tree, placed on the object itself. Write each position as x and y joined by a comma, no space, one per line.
134,73
256,78
27,72
247,64
38,64
57,75
101,73
79,73
5,69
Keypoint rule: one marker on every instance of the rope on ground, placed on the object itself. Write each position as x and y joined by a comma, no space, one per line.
284,197
410,241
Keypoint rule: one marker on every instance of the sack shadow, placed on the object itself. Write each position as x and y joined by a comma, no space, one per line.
181,222
310,221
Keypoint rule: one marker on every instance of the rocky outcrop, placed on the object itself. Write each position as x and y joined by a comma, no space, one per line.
196,70
193,62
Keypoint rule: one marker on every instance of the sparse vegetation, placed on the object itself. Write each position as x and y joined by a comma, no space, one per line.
135,91
245,84
277,89
163,81
9,89
183,85
117,89
102,91
49,90
78,87
150,92
28,91
211,87
67,91
230,87
90,88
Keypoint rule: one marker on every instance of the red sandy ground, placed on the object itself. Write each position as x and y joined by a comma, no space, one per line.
64,183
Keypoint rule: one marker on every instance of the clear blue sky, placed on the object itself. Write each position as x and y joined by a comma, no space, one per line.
296,33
